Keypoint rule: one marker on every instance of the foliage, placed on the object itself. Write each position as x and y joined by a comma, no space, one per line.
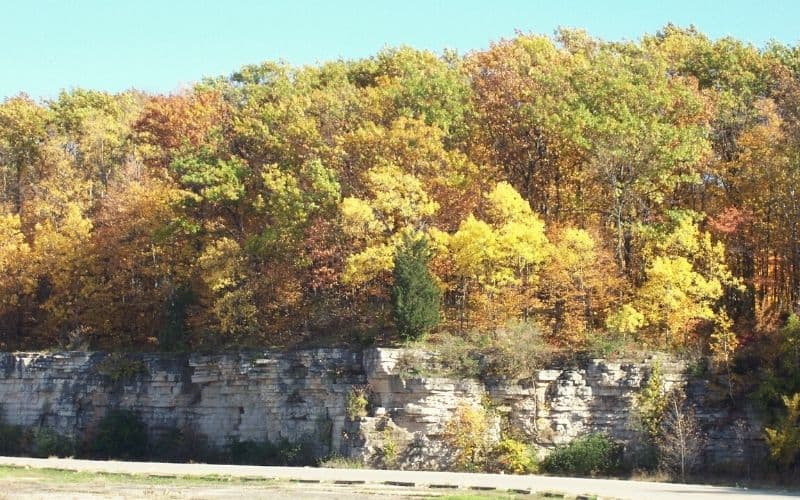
180,445
512,456
784,439
46,442
639,190
589,455
12,439
265,452
651,403
120,367
389,449
467,434
120,434
357,402
779,364
340,462
415,295
513,352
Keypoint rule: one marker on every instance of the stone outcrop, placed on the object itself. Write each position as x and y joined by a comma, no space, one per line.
302,396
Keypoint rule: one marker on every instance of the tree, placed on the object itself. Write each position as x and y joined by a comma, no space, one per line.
496,263
23,132
784,440
681,442
16,278
415,294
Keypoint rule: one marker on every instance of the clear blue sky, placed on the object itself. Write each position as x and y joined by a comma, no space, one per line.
160,45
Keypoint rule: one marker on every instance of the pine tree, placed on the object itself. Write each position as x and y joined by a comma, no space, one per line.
415,295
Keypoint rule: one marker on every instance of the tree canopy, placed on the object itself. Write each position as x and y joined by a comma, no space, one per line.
644,190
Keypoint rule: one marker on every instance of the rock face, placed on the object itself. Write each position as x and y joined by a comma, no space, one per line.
303,396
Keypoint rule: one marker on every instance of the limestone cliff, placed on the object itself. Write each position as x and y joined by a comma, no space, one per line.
302,396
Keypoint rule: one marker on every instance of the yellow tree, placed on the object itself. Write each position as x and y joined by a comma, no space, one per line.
496,263
685,278
16,280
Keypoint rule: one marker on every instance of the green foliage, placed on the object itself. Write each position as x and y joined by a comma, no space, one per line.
650,404
784,439
12,439
340,462
180,445
121,367
284,452
516,351
513,352
389,449
779,364
512,456
460,355
46,442
217,181
415,295
589,455
357,402
554,180
120,434
174,333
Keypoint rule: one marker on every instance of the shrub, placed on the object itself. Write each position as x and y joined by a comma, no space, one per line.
12,439
180,445
459,356
120,434
784,439
467,434
589,455
513,456
515,352
119,367
650,405
415,295
357,402
510,353
47,442
340,462
284,452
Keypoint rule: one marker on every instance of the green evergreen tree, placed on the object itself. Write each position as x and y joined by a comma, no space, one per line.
415,295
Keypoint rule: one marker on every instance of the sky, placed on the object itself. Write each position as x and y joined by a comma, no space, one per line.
164,45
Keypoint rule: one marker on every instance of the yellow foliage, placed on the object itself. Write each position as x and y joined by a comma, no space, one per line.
627,320
506,205
467,434
398,197
369,263
398,205
358,218
221,262
474,251
674,296
15,253
233,301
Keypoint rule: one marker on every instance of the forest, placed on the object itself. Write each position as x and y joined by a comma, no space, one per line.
627,194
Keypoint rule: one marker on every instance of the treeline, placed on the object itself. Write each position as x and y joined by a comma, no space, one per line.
644,190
